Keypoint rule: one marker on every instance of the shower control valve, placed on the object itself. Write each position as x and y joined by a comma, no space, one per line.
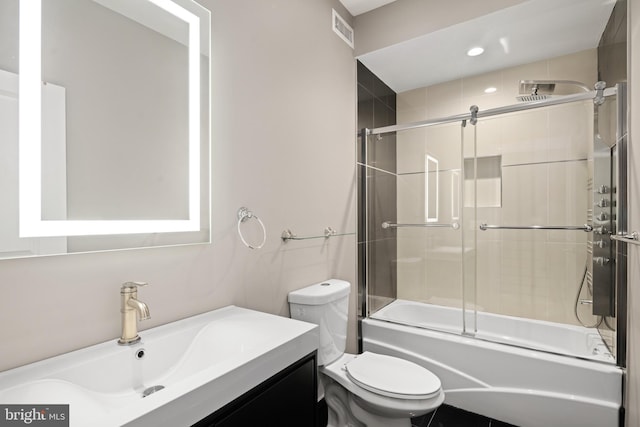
601,216
603,203
603,189
600,243
601,261
600,230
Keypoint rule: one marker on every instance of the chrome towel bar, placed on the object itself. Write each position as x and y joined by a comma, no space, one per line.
453,225
627,238
586,227
328,232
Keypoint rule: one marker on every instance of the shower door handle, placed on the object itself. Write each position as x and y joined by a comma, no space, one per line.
453,225
627,238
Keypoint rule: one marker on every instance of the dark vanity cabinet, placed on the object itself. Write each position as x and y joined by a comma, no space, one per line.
289,398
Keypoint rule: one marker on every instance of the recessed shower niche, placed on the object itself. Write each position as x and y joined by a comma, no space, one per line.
483,176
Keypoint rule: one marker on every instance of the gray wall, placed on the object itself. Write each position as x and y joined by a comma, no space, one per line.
283,124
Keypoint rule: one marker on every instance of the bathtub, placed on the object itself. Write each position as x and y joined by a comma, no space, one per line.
505,380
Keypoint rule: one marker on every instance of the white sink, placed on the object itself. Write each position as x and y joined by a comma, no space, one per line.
202,362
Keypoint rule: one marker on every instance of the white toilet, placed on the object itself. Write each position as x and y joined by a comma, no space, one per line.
367,389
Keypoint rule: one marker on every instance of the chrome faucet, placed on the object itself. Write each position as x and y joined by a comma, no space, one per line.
130,307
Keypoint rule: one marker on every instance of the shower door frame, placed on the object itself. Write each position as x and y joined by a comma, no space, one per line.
471,117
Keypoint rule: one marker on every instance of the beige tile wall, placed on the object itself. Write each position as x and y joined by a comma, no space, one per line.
544,153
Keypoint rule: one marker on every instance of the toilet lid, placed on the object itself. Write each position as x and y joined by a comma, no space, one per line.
393,377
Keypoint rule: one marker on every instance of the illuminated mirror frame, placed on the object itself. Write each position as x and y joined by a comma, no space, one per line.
455,195
30,137
431,166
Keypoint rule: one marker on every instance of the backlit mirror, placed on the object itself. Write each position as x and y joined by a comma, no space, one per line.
110,127
431,177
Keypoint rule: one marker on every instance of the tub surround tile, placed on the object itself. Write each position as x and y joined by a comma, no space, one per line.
570,126
489,138
580,66
445,99
376,108
525,135
543,181
441,142
543,167
411,99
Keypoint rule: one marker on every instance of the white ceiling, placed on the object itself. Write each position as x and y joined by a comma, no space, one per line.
528,32
357,7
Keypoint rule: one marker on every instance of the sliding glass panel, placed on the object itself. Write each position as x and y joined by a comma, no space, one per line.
609,216
472,191
378,182
428,262
533,170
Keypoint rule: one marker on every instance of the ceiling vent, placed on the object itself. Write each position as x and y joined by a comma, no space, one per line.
341,28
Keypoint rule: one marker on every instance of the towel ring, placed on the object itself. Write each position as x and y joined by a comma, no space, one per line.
245,214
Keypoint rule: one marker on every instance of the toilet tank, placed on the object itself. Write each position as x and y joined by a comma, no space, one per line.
326,304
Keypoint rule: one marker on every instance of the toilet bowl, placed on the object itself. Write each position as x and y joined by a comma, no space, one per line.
367,389
388,390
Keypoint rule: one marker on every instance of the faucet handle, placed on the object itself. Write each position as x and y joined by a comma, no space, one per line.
133,285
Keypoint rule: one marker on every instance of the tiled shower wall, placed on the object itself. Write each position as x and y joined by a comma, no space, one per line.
376,108
540,179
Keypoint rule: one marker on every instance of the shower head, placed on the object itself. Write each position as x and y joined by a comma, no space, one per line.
537,90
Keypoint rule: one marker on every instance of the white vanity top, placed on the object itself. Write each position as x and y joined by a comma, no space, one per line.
203,362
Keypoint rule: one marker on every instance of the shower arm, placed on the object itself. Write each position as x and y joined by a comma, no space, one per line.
581,85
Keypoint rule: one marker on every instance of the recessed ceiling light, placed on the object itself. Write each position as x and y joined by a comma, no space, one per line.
475,51
490,89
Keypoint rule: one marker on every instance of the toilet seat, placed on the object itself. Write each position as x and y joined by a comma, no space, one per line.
386,404
392,377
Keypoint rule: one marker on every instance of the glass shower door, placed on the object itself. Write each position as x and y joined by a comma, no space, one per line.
492,225
534,181
429,264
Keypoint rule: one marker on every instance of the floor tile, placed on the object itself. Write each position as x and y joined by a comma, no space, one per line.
449,416
422,421
495,423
